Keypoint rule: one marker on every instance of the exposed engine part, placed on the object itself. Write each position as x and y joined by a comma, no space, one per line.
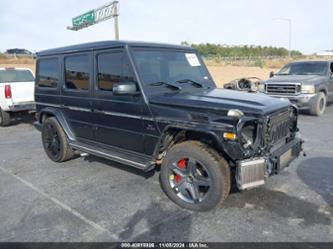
250,173
250,84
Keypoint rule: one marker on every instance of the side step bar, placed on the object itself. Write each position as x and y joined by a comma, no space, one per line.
143,163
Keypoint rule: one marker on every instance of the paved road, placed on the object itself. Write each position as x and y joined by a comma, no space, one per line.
91,199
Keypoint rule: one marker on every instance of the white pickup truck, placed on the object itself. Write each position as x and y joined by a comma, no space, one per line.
16,92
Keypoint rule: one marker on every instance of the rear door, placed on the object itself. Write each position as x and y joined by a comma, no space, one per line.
21,82
76,94
118,117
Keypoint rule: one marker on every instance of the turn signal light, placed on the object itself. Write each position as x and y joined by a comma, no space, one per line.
8,92
229,135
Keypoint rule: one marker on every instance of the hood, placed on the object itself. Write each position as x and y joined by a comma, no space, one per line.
296,78
222,99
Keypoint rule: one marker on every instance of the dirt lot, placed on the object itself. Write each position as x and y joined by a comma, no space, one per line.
225,74
91,199
221,74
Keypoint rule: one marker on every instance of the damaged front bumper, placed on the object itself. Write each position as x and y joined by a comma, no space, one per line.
252,172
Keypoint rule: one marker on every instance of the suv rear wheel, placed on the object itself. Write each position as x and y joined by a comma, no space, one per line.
318,105
55,142
195,176
4,118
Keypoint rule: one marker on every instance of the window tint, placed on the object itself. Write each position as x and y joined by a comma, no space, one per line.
48,73
112,68
304,68
15,75
77,72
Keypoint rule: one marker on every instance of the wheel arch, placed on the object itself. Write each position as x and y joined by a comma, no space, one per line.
172,135
323,89
53,112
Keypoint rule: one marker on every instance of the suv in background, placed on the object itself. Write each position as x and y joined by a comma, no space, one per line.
308,84
16,92
153,105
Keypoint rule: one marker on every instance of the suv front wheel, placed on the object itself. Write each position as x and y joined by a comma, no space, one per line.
318,105
195,176
55,141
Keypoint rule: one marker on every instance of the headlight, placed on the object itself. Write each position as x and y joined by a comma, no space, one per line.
235,113
308,89
249,134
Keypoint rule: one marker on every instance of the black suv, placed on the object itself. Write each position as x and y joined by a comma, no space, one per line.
156,106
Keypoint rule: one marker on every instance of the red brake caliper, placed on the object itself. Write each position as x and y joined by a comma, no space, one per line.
182,165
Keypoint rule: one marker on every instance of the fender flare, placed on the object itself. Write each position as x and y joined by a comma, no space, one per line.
49,111
213,135
322,88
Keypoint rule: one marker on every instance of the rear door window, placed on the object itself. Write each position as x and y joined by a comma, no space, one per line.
15,75
77,68
48,73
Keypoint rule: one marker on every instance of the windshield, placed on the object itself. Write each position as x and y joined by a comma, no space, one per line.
173,67
304,68
12,75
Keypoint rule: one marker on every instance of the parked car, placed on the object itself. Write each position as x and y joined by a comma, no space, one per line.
308,84
18,51
16,92
153,105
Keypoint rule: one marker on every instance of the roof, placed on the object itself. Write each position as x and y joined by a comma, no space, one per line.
107,44
14,68
310,61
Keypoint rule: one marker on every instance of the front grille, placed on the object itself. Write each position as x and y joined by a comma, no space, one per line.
283,88
278,127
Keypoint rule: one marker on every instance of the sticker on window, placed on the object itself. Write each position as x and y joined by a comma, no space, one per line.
193,60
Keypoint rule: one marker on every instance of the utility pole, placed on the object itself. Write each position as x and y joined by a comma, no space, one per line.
290,30
116,25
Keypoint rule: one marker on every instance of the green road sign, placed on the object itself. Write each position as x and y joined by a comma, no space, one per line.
97,15
87,18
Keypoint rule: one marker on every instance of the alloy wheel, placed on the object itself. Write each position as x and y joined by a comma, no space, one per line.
190,180
52,141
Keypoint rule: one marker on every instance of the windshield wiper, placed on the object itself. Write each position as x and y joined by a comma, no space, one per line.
168,84
190,81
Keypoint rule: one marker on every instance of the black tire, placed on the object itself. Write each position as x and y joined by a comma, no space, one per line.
55,141
210,168
318,104
4,118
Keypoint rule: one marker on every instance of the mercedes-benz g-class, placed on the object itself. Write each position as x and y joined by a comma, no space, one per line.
156,106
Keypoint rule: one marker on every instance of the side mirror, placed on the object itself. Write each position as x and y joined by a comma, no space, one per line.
126,88
271,74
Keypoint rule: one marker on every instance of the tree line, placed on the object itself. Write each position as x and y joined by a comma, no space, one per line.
218,50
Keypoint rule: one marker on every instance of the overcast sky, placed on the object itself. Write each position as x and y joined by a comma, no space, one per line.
38,24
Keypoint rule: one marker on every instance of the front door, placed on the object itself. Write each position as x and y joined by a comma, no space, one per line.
118,117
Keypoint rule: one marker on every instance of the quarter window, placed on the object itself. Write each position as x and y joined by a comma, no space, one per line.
48,73
77,72
112,68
